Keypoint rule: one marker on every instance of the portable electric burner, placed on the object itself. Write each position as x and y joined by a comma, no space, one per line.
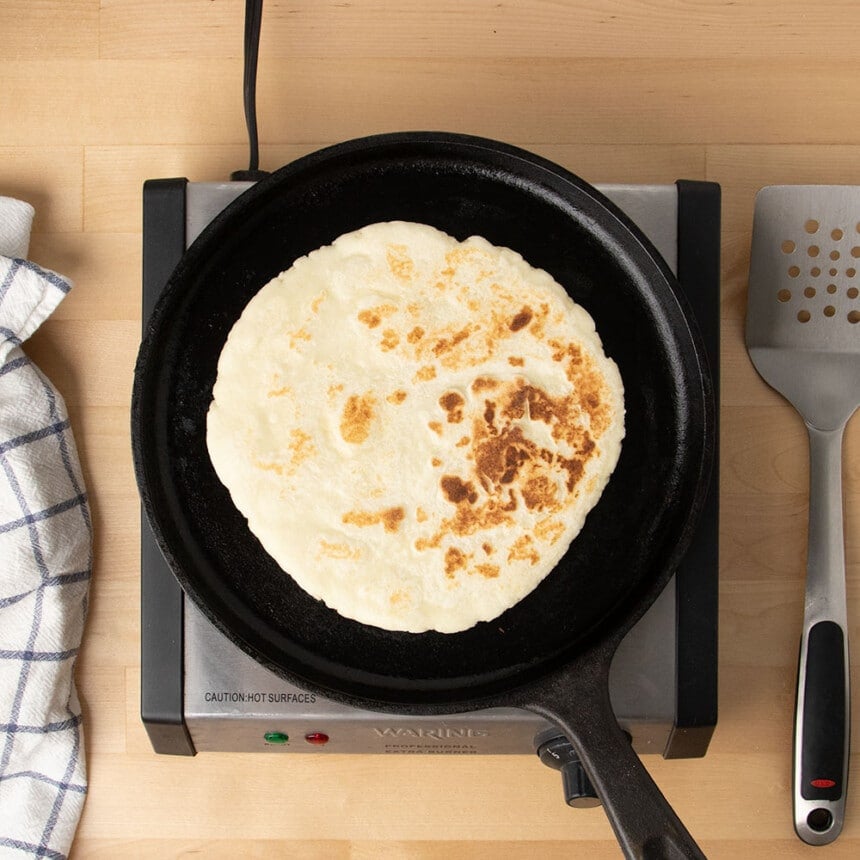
200,692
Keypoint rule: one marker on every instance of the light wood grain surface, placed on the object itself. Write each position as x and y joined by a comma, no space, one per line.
96,97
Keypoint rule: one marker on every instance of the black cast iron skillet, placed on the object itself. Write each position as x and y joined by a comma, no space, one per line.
551,652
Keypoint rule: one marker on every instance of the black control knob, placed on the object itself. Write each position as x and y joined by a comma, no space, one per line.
558,753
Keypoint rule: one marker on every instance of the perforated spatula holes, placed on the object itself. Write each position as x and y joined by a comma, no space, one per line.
812,246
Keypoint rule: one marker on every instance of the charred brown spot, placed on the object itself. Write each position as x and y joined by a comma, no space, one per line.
488,571
457,490
522,319
415,335
490,414
396,397
574,466
451,400
392,517
453,403
499,457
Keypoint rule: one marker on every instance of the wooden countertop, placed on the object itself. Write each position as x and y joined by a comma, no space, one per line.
98,96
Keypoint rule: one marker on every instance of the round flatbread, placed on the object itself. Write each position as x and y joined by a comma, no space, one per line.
415,427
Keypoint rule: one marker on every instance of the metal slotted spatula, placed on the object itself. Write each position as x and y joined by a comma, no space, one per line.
803,336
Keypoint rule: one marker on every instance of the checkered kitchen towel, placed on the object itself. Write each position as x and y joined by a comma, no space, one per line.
45,565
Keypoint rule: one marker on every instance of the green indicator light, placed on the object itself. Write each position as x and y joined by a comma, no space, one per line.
275,738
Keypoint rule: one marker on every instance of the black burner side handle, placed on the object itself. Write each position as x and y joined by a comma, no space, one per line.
161,599
697,580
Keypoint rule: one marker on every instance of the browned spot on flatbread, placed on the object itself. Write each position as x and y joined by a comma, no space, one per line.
278,392
539,492
498,457
457,490
549,530
277,468
446,344
562,414
522,319
435,426
483,383
588,382
455,559
452,402
397,397
357,416
420,515
487,548
400,263
490,415
505,458
574,467
392,517
370,318
516,361
341,551
509,466
425,373
300,447
389,517
488,571
523,549
469,518
415,334
317,302
299,334
390,340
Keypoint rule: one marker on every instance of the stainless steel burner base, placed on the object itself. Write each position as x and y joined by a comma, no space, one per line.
202,693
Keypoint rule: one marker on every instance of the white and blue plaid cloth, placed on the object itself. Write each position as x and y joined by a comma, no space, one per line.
45,568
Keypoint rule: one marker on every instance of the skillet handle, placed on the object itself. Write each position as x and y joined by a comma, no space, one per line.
646,826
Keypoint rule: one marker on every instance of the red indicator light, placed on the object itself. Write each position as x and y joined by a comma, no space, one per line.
823,783
316,738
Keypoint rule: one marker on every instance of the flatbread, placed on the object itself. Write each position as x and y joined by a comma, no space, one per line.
415,427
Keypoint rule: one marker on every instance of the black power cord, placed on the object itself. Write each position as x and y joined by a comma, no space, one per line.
253,21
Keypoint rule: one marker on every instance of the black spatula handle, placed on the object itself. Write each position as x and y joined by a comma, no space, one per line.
822,715
821,733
